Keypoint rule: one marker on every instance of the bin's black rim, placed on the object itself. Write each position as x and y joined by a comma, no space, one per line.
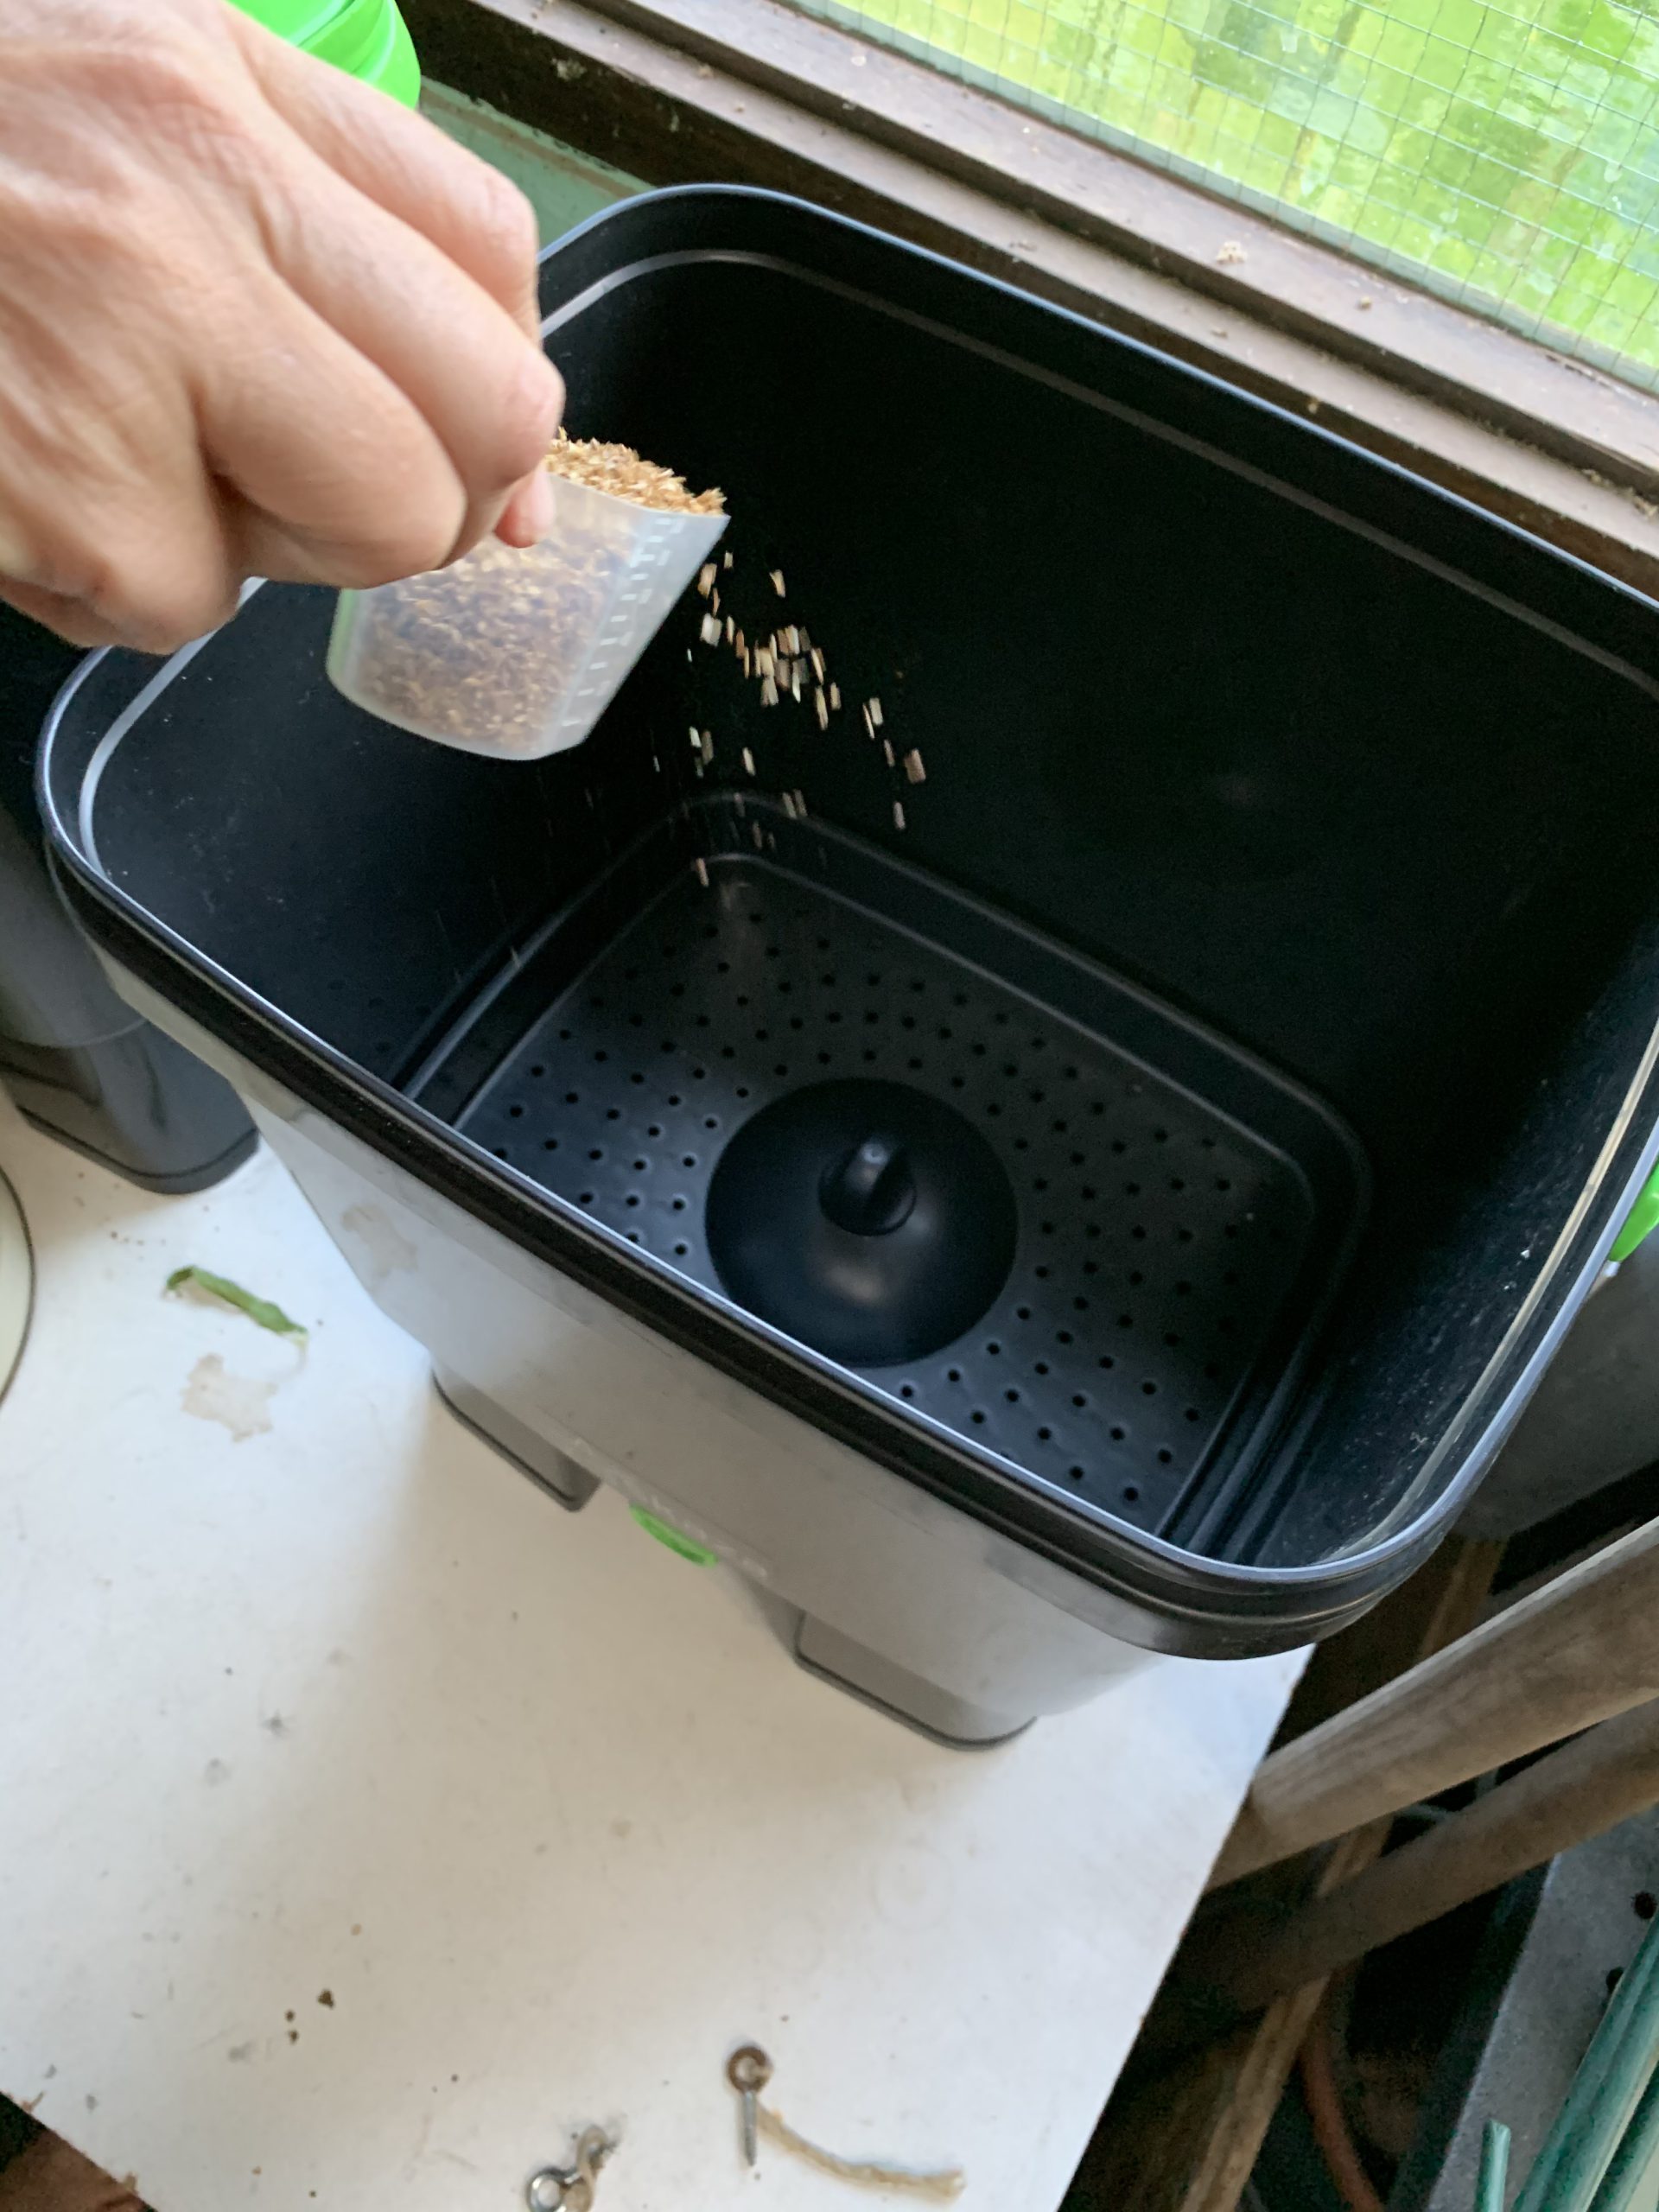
1178,1601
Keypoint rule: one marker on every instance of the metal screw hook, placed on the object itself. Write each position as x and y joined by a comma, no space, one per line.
552,2190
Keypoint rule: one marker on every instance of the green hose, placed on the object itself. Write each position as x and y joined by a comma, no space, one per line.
1628,2185
1611,2095
1494,2168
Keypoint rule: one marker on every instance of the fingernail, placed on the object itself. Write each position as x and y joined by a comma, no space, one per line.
537,506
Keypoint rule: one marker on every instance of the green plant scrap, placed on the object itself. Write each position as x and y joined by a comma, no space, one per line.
220,1287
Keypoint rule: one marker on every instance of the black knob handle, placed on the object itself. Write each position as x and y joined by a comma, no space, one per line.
870,1191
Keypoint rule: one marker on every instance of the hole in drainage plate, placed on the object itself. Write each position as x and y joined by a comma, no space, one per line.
1095,1254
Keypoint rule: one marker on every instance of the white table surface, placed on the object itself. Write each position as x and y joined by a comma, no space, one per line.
347,1706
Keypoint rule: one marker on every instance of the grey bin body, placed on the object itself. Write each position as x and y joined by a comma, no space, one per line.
76,1060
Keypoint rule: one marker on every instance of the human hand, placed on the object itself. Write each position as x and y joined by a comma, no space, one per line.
255,319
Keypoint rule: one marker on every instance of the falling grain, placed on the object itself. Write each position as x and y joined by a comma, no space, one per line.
897,814
875,712
702,866
706,575
914,767
748,760
778,581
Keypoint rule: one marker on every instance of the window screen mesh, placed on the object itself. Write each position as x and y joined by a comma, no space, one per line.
1506,156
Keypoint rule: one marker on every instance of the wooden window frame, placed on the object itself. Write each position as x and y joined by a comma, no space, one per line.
755,91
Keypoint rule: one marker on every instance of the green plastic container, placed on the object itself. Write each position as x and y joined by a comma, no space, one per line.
368,39
1642,1220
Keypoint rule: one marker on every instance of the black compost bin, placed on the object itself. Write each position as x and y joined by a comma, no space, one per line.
1234,849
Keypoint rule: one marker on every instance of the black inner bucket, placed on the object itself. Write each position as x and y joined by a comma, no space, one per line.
1284,832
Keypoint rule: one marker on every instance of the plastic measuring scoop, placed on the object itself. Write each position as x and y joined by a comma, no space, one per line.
518,654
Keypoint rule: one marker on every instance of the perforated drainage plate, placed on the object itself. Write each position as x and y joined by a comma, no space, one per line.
1159,1242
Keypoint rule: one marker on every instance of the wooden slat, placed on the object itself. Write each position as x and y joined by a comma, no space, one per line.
1601,1777
1582,1648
